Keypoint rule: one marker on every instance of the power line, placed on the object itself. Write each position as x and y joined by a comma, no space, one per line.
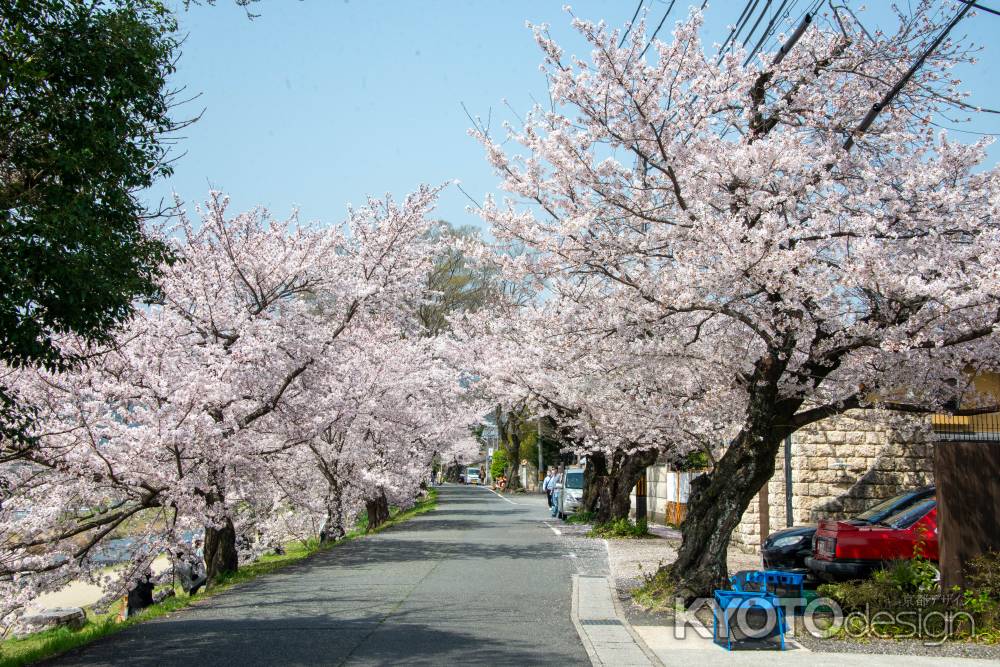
631,23
979,6
734,31
887,99
757,23
767,32
662,21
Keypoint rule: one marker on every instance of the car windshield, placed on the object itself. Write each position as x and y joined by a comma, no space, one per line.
473,471
911,514
574,480
893,505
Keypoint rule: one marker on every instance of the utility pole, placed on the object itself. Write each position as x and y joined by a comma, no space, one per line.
541,473
788,481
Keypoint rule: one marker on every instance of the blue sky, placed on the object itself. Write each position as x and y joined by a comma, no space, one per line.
318,103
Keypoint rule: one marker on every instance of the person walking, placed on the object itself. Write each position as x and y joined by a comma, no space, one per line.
546,486
556,479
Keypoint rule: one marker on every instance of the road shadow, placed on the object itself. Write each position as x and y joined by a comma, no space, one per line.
312,640
410,549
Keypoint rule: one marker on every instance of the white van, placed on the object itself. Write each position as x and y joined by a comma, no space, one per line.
472,476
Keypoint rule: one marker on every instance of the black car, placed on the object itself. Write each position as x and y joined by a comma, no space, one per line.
788,549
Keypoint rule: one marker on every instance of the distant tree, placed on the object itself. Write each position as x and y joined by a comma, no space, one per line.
498,464
457,283
85,112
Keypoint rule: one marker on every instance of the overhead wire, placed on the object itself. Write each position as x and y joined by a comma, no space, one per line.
768,31
662,21
631,23
734,31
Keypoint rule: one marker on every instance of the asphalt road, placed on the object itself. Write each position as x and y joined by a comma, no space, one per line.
477,581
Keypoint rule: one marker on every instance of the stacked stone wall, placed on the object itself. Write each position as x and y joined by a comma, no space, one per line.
840,467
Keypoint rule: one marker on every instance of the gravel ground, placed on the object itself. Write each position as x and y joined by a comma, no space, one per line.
901,647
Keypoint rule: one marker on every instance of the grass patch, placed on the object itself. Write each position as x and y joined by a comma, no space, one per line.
580,517
621,529
656,593
16,652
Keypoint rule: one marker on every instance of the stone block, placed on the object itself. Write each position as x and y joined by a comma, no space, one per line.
855,438
70,617
818,490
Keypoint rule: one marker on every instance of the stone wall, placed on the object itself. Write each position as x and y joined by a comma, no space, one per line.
840,467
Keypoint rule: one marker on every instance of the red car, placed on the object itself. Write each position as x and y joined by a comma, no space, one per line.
843,550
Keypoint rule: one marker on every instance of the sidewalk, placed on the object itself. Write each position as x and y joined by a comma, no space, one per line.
630,560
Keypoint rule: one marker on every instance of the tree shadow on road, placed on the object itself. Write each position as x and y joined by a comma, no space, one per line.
403,638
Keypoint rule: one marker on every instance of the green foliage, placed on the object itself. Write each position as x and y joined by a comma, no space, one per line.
456,284
696,460
656,592
911,586
84,109
580,517
499,463
54,642
623,528
916,575
529,443
983,574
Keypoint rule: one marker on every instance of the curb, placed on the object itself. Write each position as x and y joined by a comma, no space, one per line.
574,615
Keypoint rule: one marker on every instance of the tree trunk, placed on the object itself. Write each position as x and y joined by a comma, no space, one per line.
626,469
630,468
220,551
513,476
717,502
595,481
378,511
719,498
334,527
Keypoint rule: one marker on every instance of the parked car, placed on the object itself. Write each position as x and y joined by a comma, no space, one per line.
472,476
844,550
788,549
570,492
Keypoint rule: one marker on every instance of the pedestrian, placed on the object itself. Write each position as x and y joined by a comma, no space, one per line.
140,596
190,570
556,488
546,486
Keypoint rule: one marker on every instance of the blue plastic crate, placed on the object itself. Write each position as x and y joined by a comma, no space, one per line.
782,584
729,604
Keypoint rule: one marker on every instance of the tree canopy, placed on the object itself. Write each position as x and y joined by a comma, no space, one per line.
86,111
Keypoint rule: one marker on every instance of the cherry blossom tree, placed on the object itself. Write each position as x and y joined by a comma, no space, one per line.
796,252
375,417
162,428
622,407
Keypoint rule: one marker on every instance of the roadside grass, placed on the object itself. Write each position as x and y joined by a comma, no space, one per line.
48,644
580,517
622,529
656,593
